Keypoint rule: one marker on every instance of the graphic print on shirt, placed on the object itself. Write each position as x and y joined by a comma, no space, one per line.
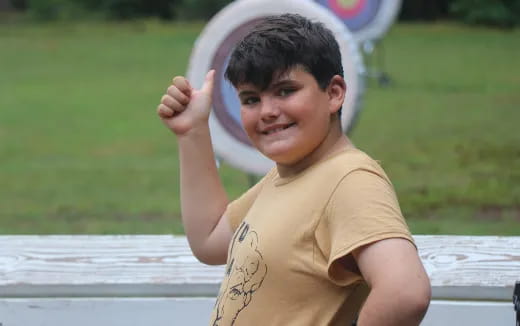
244,276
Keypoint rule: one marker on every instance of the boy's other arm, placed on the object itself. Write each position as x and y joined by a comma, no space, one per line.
185,111
400,288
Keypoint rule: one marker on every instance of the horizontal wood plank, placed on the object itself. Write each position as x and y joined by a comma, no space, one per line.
103,266
460,267
469,313
471,267
196,311
105,311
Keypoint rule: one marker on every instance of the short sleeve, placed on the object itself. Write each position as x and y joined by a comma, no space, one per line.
238,208
363,209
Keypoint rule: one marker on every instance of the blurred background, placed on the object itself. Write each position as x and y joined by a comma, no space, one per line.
83,152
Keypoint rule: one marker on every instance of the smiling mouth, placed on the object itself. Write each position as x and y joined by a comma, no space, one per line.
275,130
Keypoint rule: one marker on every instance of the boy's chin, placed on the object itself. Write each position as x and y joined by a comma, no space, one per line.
284,160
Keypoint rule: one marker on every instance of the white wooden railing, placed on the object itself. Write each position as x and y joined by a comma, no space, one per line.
155,281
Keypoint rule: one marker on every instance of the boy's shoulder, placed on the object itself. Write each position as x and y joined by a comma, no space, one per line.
352,159
350,162
335,167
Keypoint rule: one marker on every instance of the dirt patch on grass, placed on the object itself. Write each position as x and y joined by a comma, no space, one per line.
497,213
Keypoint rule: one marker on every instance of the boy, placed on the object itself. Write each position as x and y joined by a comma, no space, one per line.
320,240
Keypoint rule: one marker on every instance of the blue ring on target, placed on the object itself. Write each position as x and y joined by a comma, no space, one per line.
226,104
356,14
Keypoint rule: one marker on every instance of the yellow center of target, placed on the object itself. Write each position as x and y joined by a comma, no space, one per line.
347,3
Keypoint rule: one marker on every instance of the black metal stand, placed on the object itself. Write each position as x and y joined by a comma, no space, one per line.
373,54
516,302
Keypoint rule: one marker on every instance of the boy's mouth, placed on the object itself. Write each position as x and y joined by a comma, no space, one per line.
276,128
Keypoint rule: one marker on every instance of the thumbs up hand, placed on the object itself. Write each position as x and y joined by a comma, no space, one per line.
184,108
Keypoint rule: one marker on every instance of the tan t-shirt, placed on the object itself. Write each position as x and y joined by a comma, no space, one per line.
283,264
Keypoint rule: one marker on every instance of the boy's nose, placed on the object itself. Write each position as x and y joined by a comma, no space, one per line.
269,110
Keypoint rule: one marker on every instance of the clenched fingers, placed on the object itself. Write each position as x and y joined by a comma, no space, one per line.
176,99
172,103
169,107
165,112
182,85
178,95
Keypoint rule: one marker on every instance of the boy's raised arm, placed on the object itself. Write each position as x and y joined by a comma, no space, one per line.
185,111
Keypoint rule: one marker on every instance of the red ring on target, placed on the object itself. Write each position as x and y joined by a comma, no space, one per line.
344,11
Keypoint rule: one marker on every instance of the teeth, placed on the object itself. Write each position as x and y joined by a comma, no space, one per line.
272,131
276,130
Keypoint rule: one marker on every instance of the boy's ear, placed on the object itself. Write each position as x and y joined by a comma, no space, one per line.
336,91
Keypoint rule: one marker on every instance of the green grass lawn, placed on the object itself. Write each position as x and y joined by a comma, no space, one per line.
81,149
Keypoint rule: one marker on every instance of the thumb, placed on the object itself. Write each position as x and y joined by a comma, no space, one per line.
209,82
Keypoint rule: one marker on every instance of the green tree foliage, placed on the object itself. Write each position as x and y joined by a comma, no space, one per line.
19,4
424,10
112,9
54,9
503,13
124,9
200,9
120,9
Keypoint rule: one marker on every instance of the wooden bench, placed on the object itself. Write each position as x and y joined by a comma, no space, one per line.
155,281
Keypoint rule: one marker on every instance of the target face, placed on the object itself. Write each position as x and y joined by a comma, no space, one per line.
366,19
213,49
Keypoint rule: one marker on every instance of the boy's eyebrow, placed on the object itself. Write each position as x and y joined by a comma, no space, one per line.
275,84
246,93
281,82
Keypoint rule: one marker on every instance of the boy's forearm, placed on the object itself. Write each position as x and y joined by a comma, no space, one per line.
391,308
203,198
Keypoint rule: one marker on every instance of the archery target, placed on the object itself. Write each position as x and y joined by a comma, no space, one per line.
213,49
366,19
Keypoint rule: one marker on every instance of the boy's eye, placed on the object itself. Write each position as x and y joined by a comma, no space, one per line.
285,91
250,100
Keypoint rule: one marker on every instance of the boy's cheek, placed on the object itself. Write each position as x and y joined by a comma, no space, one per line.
248,120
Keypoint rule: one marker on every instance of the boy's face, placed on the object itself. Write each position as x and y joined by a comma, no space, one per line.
291,118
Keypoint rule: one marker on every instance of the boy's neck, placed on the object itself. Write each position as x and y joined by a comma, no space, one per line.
335,142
